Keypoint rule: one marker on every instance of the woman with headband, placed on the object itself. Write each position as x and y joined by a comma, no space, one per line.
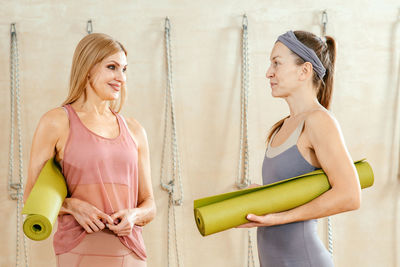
301,72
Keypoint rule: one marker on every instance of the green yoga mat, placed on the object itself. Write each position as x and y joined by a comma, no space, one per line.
44,202
221,212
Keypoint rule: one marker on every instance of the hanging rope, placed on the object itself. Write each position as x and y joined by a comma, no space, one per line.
16,189
89,26
330,236
324,22
243,180
174,199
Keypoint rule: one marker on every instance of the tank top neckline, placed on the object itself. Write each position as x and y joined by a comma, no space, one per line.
273,151
95,134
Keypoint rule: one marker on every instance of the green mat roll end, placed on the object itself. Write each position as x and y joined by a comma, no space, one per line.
199,222
37,227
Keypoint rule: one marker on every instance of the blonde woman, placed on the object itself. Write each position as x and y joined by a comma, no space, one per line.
104,159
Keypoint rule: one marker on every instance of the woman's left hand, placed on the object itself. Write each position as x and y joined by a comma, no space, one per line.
256,221
124,221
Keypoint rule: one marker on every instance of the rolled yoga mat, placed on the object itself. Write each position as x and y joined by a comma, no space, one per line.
44,202
221,212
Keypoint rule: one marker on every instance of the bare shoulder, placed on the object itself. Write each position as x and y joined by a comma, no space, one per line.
321,126
321,119
134,125
55,119
137,130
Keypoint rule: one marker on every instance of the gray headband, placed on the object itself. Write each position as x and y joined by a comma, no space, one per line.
307,54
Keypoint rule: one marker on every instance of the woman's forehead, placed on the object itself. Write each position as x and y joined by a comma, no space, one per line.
119,57
279,50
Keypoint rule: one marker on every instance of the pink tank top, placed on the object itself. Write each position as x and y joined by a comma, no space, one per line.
103,172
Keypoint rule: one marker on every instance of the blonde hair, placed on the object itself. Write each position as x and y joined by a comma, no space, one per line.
92,49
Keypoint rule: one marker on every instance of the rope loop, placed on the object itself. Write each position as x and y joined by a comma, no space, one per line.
174,171
16,189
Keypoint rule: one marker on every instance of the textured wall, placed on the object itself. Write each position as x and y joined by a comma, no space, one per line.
206,64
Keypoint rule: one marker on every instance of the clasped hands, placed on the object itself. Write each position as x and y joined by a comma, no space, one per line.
93,220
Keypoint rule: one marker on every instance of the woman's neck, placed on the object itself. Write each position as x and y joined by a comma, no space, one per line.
302,102
92,105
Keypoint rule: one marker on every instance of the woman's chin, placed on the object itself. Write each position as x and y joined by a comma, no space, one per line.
279,94
112,97
275,94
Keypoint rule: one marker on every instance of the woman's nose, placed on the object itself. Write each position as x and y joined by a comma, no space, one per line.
269,73
120,76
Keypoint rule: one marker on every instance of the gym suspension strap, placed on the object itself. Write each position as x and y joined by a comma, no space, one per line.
324,22
16,189
170,176
243,180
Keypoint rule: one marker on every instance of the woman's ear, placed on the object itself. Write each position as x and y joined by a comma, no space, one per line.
306,71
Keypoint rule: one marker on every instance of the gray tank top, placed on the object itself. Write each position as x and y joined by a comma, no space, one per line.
293,244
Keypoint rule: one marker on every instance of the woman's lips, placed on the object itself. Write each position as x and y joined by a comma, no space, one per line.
115,87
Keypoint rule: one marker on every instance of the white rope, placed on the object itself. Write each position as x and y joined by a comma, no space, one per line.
324,23
169,185
16,189
243,180
243,166
330,237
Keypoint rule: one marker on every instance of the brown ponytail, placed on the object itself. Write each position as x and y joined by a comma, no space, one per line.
326,52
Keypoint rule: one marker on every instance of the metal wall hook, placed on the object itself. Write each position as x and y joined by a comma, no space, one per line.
324,21
245,21
13,29
89,26
167,23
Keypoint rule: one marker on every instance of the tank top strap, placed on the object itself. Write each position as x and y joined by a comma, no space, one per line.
72,116
290,141
75,124
122,123
296,134
125,131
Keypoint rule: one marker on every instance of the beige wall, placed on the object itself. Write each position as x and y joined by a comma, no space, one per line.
206,63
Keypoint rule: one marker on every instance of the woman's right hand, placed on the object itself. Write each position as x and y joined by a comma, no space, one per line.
88,216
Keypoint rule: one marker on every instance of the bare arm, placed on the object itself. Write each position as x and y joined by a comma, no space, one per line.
146,198
327,141
43,145
146,209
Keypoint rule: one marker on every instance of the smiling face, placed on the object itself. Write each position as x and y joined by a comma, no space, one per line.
283,73
108,77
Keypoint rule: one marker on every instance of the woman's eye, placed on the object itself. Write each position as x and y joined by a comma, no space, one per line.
124,69
111,67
